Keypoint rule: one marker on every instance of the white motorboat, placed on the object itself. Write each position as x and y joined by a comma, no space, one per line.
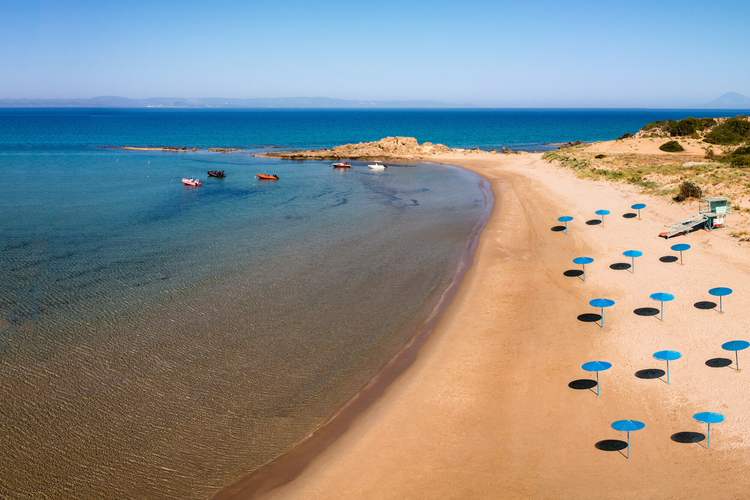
377,166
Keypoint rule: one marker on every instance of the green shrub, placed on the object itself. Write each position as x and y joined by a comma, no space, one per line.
671,147
710,153
732,131
695,136
707,122
744,150
625,136
599,157
689,189
651,125
740,161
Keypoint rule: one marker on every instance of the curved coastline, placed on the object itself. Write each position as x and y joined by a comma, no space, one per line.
288,466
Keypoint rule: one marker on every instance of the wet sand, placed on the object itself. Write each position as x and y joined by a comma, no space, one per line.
486,410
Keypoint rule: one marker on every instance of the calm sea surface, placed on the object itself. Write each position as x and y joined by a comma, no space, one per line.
160,341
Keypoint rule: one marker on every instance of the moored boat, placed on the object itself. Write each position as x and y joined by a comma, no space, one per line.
191,182
216,174
343,164
377,166
266,177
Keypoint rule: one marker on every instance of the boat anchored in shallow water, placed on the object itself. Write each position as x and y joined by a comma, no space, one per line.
191,182
216,174
266,177
343,164
377,166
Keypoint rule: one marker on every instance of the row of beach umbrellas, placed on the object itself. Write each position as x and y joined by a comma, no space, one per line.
667,355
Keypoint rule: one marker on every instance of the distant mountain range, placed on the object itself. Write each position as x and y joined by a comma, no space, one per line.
219,102
730,100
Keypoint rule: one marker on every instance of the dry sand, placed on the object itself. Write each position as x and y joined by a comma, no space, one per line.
486,411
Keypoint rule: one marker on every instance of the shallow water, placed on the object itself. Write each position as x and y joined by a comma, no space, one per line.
161,341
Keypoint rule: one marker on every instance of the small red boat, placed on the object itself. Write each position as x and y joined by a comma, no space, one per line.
191,182
343,164
266,177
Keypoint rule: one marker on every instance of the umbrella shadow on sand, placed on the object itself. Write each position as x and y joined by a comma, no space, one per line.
688,438
705,305
668,258
650,374
589,317
583,384
620,266
612,445
558,229
718,362
629,215
646,311
593,222
573,273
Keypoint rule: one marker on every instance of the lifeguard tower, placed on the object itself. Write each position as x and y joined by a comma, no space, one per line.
712,214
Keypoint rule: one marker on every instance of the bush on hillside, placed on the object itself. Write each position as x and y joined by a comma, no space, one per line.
599,157
689,189
732,131
625,136
671,147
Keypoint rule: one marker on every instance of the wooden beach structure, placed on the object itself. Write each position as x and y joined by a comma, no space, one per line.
712,214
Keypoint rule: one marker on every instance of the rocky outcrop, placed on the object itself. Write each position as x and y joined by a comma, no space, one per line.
223,150
389,147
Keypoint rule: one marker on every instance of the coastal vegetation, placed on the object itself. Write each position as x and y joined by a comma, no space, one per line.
730,132
672,147
712,156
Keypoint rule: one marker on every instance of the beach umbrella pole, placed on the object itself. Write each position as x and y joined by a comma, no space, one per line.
667,371
720,305
628,445
662,310
602,317
566,227
597,383
639,214
680,257
737,360
584,271
708,439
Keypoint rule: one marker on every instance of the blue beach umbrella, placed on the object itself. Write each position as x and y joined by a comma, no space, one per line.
627,426
720,292
662,297
680,247
638,206
596,366
583,261
632,254
602,213
667,356
602,303
565,219
709,417
735,345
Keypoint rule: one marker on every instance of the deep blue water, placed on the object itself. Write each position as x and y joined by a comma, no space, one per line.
298,129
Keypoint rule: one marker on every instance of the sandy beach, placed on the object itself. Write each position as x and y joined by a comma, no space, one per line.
486,410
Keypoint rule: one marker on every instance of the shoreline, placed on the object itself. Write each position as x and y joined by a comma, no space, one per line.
288,466
486,410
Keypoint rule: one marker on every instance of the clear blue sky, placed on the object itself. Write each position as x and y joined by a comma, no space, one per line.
535,53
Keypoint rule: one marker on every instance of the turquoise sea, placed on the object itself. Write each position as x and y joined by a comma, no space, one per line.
161,341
